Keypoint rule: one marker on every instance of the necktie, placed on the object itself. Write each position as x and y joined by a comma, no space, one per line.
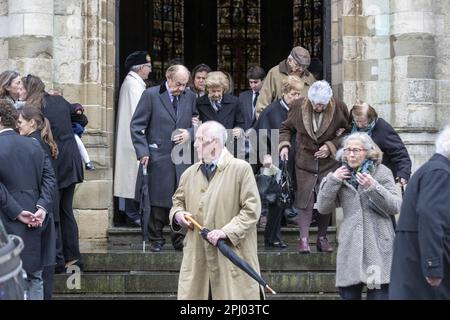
255,99
175,104
209,169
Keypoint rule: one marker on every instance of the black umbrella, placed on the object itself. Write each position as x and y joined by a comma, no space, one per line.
144,206
232,256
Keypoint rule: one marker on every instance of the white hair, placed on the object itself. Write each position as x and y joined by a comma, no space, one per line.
443,142
373,151
320,92
136,68
215,130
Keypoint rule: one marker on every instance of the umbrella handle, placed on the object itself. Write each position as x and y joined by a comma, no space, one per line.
195,223
144,170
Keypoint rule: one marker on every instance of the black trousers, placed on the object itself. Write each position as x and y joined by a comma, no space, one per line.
69,227
355,292
159,217
272,233
132,209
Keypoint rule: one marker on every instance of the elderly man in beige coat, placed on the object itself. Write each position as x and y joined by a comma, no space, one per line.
220,192
296,64
126,166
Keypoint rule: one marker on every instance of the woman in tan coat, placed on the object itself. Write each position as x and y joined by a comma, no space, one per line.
220,192
317,123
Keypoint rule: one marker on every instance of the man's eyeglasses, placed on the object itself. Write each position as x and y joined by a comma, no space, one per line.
354,151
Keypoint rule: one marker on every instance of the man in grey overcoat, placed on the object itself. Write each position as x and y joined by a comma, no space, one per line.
163,120
421,261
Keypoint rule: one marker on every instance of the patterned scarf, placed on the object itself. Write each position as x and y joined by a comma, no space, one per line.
368,166
367,130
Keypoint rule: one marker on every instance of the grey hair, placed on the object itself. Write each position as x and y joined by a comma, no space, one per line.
136,68
443,142
373,151
173,70
216,131
320,92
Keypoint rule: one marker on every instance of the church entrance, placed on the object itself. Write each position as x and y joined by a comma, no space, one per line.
228,35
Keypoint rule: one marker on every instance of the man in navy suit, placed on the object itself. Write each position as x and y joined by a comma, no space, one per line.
162,120
248,99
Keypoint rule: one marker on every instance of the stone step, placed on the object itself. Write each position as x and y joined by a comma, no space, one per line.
172,296
131,238
166,283
171,261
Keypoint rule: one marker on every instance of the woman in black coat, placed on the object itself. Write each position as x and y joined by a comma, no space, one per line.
220,106
364,118
32,124
27,174
69,166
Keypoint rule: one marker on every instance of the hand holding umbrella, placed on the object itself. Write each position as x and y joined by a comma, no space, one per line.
230,254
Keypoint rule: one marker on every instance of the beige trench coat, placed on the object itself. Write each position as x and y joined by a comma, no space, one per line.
230,202
271,89
126,166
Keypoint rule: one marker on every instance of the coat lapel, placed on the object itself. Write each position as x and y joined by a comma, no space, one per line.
307,118
181,106
167,104
327,119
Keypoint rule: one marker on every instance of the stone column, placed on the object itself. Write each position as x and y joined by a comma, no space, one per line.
415,25
28,28
93,198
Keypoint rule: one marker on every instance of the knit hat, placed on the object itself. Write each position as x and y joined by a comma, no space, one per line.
301,56
320,92
137,58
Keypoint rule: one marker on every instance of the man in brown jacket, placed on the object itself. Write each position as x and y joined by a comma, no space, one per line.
318,123
297,64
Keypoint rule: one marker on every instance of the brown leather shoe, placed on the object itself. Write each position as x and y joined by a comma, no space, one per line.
303,246
323,245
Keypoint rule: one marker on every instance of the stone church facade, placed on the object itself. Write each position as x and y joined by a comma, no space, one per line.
392,54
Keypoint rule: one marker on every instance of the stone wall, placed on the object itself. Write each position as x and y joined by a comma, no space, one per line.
70,44
395,56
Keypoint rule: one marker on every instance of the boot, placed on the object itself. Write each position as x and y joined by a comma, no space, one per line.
323,245
303,246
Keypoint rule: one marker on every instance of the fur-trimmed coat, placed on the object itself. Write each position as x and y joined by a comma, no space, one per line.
310,170
365,238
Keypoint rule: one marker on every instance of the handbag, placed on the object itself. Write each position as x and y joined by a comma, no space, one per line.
286,195
268,188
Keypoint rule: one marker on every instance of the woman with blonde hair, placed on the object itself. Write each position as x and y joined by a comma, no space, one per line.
217,105
366,191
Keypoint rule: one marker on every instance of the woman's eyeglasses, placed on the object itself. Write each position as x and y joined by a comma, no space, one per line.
354,151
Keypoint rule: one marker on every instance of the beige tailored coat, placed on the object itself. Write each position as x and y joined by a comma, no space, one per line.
126,166
229,201
271,89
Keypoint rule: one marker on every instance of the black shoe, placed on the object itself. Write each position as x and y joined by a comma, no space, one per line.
276,245
133,223
156,247
89,166
60,268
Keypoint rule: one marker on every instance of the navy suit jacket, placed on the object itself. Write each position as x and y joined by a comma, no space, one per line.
246,106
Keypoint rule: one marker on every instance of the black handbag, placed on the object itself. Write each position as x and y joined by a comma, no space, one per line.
286,195
268,188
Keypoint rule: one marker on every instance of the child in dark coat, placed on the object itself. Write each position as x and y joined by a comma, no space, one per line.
79,122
